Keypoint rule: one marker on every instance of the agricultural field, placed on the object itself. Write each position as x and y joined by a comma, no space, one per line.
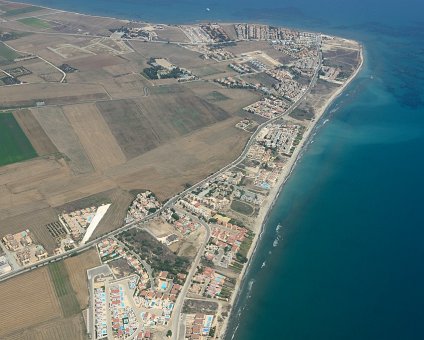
96,139
28,95
57,126
34,132
107,131
64,328
42,304
14,145
26,301
7,54
170,167
146,123
35,22
77,267
63,288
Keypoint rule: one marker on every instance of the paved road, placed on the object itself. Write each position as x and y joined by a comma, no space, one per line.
176,313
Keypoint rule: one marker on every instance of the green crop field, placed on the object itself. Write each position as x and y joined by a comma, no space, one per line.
7,54
14,145
35,22
65,293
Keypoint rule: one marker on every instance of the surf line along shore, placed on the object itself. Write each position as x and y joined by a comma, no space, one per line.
275,191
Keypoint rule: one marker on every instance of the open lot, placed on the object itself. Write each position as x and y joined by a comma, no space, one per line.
28,95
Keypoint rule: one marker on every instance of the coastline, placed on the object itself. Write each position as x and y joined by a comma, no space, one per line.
274,193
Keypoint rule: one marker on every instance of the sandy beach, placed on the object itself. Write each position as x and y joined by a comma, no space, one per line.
278,187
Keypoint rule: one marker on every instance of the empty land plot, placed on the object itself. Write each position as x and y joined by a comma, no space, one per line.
64,328
230,100
77,267
77,23
57,127
27,300
94,135
142,125
242,207
21,10
29,94
114,217
35,22
96,62
41,71
177,55
22,185
35,133
186,160
60,191
64,291
171,33
315,100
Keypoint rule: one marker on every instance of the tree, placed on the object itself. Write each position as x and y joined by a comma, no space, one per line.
169,333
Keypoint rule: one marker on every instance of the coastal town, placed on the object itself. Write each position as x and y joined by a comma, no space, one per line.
169,262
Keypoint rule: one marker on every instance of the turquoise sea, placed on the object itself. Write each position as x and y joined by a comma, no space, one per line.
348,259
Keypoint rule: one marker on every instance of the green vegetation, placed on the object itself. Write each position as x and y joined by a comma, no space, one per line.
245,245
14,145
65,293
22,10
7,54
159,73
35,22
155,253
168,333
236,267
241,207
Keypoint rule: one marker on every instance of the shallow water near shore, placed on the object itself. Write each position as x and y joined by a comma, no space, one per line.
347,263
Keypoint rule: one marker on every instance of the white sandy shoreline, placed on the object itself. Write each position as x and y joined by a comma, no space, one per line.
274,193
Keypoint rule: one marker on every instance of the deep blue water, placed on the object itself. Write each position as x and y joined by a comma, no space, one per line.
349,264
